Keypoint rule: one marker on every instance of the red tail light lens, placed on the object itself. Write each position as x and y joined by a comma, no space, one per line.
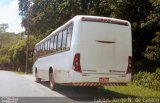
76,62
129,69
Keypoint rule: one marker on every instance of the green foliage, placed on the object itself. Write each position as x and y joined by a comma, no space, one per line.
149,80
7,38
17,53
158,70
3,27
24,7
32,42
152,23
12,53
4,60
130,90
153,51
6,41
135,11
44,16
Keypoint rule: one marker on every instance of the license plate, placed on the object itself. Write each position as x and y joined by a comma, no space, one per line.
103,80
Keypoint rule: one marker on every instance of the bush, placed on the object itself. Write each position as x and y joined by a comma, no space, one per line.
149,80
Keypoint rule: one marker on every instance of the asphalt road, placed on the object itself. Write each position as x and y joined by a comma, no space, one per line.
25,87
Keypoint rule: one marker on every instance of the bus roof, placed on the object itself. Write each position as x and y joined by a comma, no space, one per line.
87,18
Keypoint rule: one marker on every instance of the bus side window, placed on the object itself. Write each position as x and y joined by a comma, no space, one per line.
45,47
41,50
64,39
38,50
55,43
59,41
52,44
49,44
69,36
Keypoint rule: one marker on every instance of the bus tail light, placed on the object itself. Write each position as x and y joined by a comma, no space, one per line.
76,62
129,69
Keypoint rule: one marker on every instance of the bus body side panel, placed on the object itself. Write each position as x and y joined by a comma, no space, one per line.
57,62
61,62
67,76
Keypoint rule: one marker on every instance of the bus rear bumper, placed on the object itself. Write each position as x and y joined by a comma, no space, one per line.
81,79
87,84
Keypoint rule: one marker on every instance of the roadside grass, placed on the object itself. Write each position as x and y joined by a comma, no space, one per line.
133,90
23,73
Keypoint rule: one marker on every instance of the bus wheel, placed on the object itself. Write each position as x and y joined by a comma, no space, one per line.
52,84
38,80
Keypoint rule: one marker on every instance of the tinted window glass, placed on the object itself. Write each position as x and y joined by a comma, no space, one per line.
55,43
59,41
64,40
69,35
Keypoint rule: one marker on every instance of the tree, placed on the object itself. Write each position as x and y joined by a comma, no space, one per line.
17,53
152,23
136,12
12,50
8,38
47,15
153,51
24,6
3,27
4,57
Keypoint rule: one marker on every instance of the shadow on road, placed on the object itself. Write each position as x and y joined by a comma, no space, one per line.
87,93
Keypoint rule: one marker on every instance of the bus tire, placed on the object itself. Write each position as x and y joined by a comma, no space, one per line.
38,80
52,84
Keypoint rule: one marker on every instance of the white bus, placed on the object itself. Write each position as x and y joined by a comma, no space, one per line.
86,51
